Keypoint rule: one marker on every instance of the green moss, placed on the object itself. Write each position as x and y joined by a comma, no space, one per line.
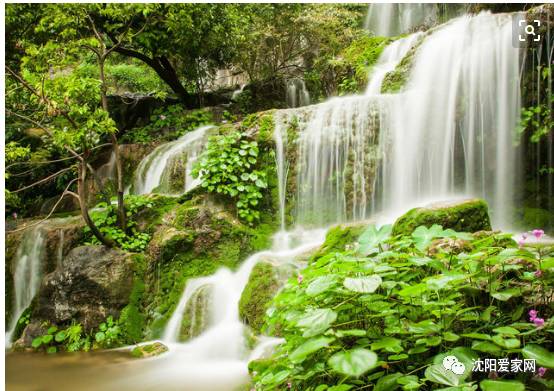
466,216
131,318
258,292
537,218
150,350
194,317
396,79
338,238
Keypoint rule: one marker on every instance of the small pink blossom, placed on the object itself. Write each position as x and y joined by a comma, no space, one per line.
533,315
538,233
524,235
300,278
539,322
289,385
541,371
521,242
538,273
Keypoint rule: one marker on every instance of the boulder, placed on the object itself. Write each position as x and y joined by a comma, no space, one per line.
94,283
262,285
463,216
149,350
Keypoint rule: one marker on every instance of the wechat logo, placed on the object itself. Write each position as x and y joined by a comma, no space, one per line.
451,363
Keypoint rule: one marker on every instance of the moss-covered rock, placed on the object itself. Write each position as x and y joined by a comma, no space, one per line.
194,239
339,238
149,350
462,216
195,317
258,292
396,79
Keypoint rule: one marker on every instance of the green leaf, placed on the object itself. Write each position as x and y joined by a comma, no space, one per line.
321,284
307,348
501,385
60,336
389,344
46,339
486,347
388,382
316,321
423,236
506,330
354,362
507,294
508,343
542,356
363,284
36,342
100,336
51,350
436,373
370,239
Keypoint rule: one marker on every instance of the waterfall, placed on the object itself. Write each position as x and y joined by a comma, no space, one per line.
452,131
27,274
389,19
297,93
162,170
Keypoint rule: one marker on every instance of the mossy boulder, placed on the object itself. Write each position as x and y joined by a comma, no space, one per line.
339,238
464,216
149,350
262,285
395,80
195,317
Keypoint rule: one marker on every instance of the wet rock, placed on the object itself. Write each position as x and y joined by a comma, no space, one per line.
149,350
95,282
263,284
462,216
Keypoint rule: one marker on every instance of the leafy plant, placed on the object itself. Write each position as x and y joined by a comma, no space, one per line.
389,309
71,339
229,167
109,333
105,218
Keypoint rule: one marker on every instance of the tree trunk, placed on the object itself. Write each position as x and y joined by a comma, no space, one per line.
81,190
121,216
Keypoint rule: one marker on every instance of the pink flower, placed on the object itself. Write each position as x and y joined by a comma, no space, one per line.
289,385
538,273
538,233
521,242
300,278
541,371
539,322
524,235
533,315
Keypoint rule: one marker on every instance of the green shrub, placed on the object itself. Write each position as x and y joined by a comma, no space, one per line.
105,218
229,167
386,313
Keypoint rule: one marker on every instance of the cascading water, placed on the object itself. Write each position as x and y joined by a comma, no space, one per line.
27,274
389,19
297,93
452,131
156,171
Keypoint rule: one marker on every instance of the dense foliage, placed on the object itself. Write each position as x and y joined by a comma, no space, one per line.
387,310
105,218
229,167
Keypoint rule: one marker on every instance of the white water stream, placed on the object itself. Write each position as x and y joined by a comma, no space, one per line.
27,274
155,170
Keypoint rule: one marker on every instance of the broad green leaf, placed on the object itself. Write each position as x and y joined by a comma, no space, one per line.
484,337
508,343
370,239
506,330
388,382
316,321
436,373
442,281
36,342
507,294
309,347
321,284
340,387
413,290
354,362
423,236
389,344
60,336
543,357
486,347
363,284
501,385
